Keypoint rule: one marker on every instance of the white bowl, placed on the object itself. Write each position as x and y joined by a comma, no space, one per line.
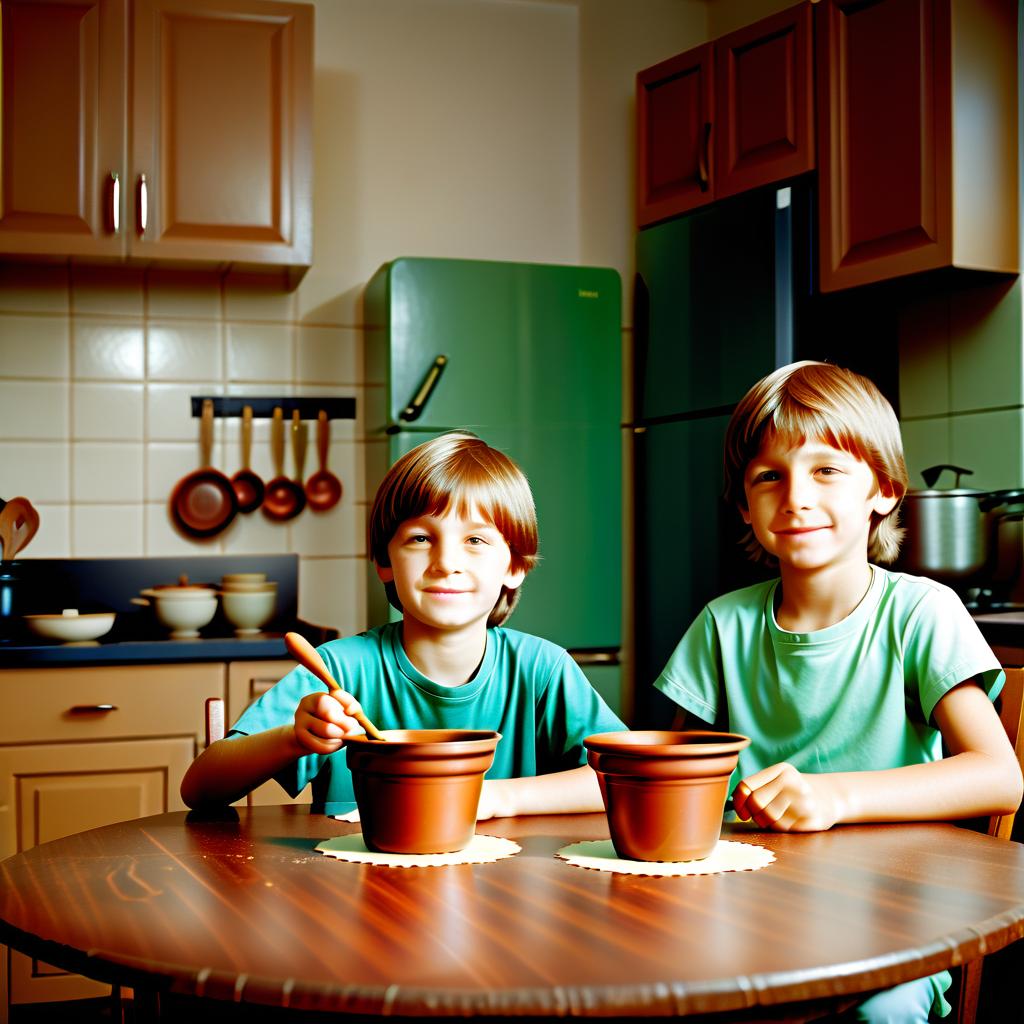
185,616
248,611
243,577
70,627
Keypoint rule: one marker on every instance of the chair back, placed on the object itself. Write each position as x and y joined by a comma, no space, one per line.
1011,709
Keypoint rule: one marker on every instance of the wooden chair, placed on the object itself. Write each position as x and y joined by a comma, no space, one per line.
1011,710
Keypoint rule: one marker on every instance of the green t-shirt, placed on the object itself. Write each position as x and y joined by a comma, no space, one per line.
856,696
526,688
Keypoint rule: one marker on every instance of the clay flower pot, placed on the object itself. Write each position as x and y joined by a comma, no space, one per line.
419,791
664,792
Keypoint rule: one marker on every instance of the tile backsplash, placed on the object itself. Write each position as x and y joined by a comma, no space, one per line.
97,369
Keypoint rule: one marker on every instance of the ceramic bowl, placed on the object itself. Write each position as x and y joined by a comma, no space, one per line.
248,611
184,614
419,791
243,577
664,792
71,627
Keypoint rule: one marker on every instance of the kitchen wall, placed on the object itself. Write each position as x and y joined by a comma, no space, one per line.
485,129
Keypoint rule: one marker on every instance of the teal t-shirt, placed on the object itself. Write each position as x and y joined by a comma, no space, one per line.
526,688
856,696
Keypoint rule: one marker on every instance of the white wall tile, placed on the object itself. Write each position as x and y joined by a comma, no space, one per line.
258,297
169,412
106,531
332,592
107,412
260,352
37,470
179,350
338,531
103,350
34,346
106,472
30,409
116,291
254,533
174,293
54,537
330,355
33,289
166,464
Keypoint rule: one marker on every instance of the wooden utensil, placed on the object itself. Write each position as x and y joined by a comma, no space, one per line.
19,523
204,503
323,488
306,655
249,488
284,498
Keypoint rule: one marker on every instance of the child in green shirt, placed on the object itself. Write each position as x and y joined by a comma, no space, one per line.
846,676
453,534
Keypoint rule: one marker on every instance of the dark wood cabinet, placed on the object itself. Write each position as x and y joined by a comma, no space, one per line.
727,116
917,103
170,130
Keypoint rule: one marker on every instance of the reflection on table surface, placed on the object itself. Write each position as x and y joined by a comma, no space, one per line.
240,906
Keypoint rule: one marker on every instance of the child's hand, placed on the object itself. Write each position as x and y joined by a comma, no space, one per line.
323,720
781,798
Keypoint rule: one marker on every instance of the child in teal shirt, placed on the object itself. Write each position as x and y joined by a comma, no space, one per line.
453,534
846,676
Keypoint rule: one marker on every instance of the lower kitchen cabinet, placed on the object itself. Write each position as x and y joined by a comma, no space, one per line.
85,747
248,681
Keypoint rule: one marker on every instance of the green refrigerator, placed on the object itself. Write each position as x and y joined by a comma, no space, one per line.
527,356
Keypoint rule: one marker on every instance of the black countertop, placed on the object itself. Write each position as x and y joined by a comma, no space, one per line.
50,585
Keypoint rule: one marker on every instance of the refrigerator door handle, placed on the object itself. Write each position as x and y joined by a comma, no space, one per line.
415,408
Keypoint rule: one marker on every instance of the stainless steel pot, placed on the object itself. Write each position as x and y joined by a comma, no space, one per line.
952,533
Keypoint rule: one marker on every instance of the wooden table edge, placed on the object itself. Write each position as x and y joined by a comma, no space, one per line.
752,994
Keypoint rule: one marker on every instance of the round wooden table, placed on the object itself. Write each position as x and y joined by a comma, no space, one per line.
242,909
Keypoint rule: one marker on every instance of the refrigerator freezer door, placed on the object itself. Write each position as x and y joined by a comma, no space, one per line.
574,596
524,344
712,294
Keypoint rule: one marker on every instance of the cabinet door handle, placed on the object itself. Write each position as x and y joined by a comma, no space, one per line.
115,201
92,709
143,204
703,158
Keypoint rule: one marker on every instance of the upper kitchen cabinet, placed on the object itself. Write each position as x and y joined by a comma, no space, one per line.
917,104
157,130
727,116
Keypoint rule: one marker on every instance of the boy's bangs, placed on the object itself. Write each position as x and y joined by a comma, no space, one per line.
469,487
794,424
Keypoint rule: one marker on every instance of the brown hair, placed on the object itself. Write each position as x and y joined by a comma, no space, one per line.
457,470
827,403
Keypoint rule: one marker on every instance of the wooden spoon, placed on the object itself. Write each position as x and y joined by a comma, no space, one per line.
19,522
323,488
306,655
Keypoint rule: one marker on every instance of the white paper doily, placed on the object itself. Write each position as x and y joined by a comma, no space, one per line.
726,856
481,850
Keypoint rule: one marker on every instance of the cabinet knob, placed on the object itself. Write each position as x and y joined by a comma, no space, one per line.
91,709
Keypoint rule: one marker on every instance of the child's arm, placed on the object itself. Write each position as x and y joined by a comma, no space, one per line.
981,777
230,768
574,791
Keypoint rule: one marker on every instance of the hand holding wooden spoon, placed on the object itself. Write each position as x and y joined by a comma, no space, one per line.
306,655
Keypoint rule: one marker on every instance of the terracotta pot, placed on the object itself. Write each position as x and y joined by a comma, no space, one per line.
664,792
419,791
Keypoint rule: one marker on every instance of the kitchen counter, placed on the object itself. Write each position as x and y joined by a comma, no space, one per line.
49,585
1004,630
